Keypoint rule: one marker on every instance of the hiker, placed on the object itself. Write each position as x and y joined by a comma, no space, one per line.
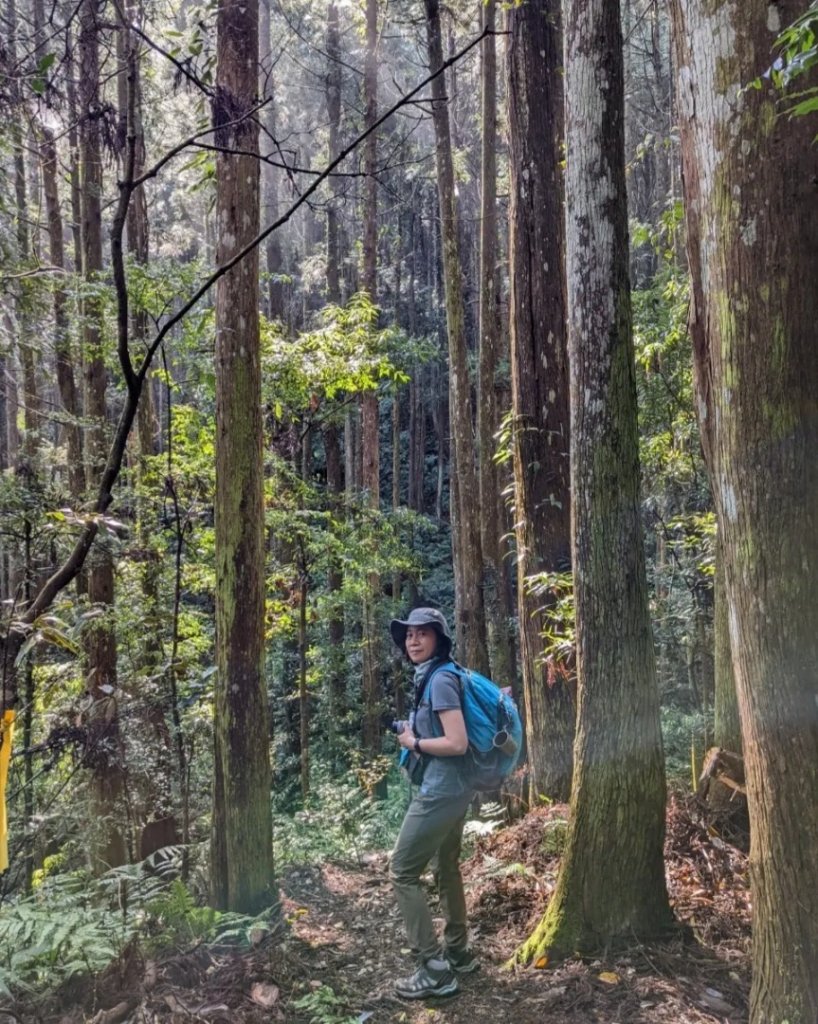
436,739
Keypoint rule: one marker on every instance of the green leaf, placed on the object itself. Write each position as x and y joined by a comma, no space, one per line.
807,106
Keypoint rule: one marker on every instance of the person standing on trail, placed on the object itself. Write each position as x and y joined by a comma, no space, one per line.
436,739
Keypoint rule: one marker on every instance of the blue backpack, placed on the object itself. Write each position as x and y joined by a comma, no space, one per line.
493,726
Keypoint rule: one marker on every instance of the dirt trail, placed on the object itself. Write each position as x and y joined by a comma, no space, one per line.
343,946
350,939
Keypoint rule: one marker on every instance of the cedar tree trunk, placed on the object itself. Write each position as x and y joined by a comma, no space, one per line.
539,375
752,219
241,841
611,886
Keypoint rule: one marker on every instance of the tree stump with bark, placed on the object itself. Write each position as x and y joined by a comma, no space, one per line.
722,792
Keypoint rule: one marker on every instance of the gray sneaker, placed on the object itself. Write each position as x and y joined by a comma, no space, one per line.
462,961
428,981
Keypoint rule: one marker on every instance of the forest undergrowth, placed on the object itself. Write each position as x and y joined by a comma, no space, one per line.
340,945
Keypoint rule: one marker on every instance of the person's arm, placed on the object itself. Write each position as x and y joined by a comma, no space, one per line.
452,743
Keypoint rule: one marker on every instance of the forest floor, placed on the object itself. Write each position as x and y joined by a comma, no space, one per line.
344,946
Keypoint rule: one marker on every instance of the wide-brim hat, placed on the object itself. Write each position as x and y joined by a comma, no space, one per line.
419,617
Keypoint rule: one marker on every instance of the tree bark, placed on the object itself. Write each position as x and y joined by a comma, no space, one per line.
470,623
497,632
105,740
539,375
335,582
241,838
4,432
269,174
417,410
727,725
66,381
334,83
370,444
332,439
23,332
303,692
752,236
618,795
11,390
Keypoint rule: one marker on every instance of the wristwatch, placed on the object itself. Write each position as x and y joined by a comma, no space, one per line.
417,745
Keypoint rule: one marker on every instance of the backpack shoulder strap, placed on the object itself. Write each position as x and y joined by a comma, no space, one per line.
446,666
436,666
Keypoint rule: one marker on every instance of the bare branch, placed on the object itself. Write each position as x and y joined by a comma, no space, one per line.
208,283
190,140
73,564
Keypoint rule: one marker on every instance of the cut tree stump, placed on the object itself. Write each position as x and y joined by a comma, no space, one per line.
722,792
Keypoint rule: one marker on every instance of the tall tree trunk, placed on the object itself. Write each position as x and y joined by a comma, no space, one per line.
104,731
752,235
303,692
334,83
23,332
241,837
167,748
332,440
539,375
497,633
269,173
29,700
618,795
4,432
73,155
65,366
470,620
440,407
417,411
335,581
370,444
12,401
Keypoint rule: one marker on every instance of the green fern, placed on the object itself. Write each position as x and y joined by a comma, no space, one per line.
181,919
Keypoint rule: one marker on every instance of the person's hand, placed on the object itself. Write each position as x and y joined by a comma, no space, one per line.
407,738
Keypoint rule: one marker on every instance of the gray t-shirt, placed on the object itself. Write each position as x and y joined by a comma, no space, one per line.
443,775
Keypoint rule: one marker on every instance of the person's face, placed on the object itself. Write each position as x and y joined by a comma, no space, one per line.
421,642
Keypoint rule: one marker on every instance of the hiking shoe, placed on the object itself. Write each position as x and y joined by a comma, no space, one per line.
462,961
428,981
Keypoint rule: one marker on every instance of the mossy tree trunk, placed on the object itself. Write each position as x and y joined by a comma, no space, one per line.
752,220
241,840
611,886
539,374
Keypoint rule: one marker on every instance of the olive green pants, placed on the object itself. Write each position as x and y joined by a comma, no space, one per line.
433,825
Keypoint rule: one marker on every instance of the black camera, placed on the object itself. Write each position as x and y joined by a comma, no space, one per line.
397,726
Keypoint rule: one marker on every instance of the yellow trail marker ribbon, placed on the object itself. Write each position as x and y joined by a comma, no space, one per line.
6,737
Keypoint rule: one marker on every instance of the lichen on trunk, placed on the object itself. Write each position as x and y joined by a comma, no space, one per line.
752,235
